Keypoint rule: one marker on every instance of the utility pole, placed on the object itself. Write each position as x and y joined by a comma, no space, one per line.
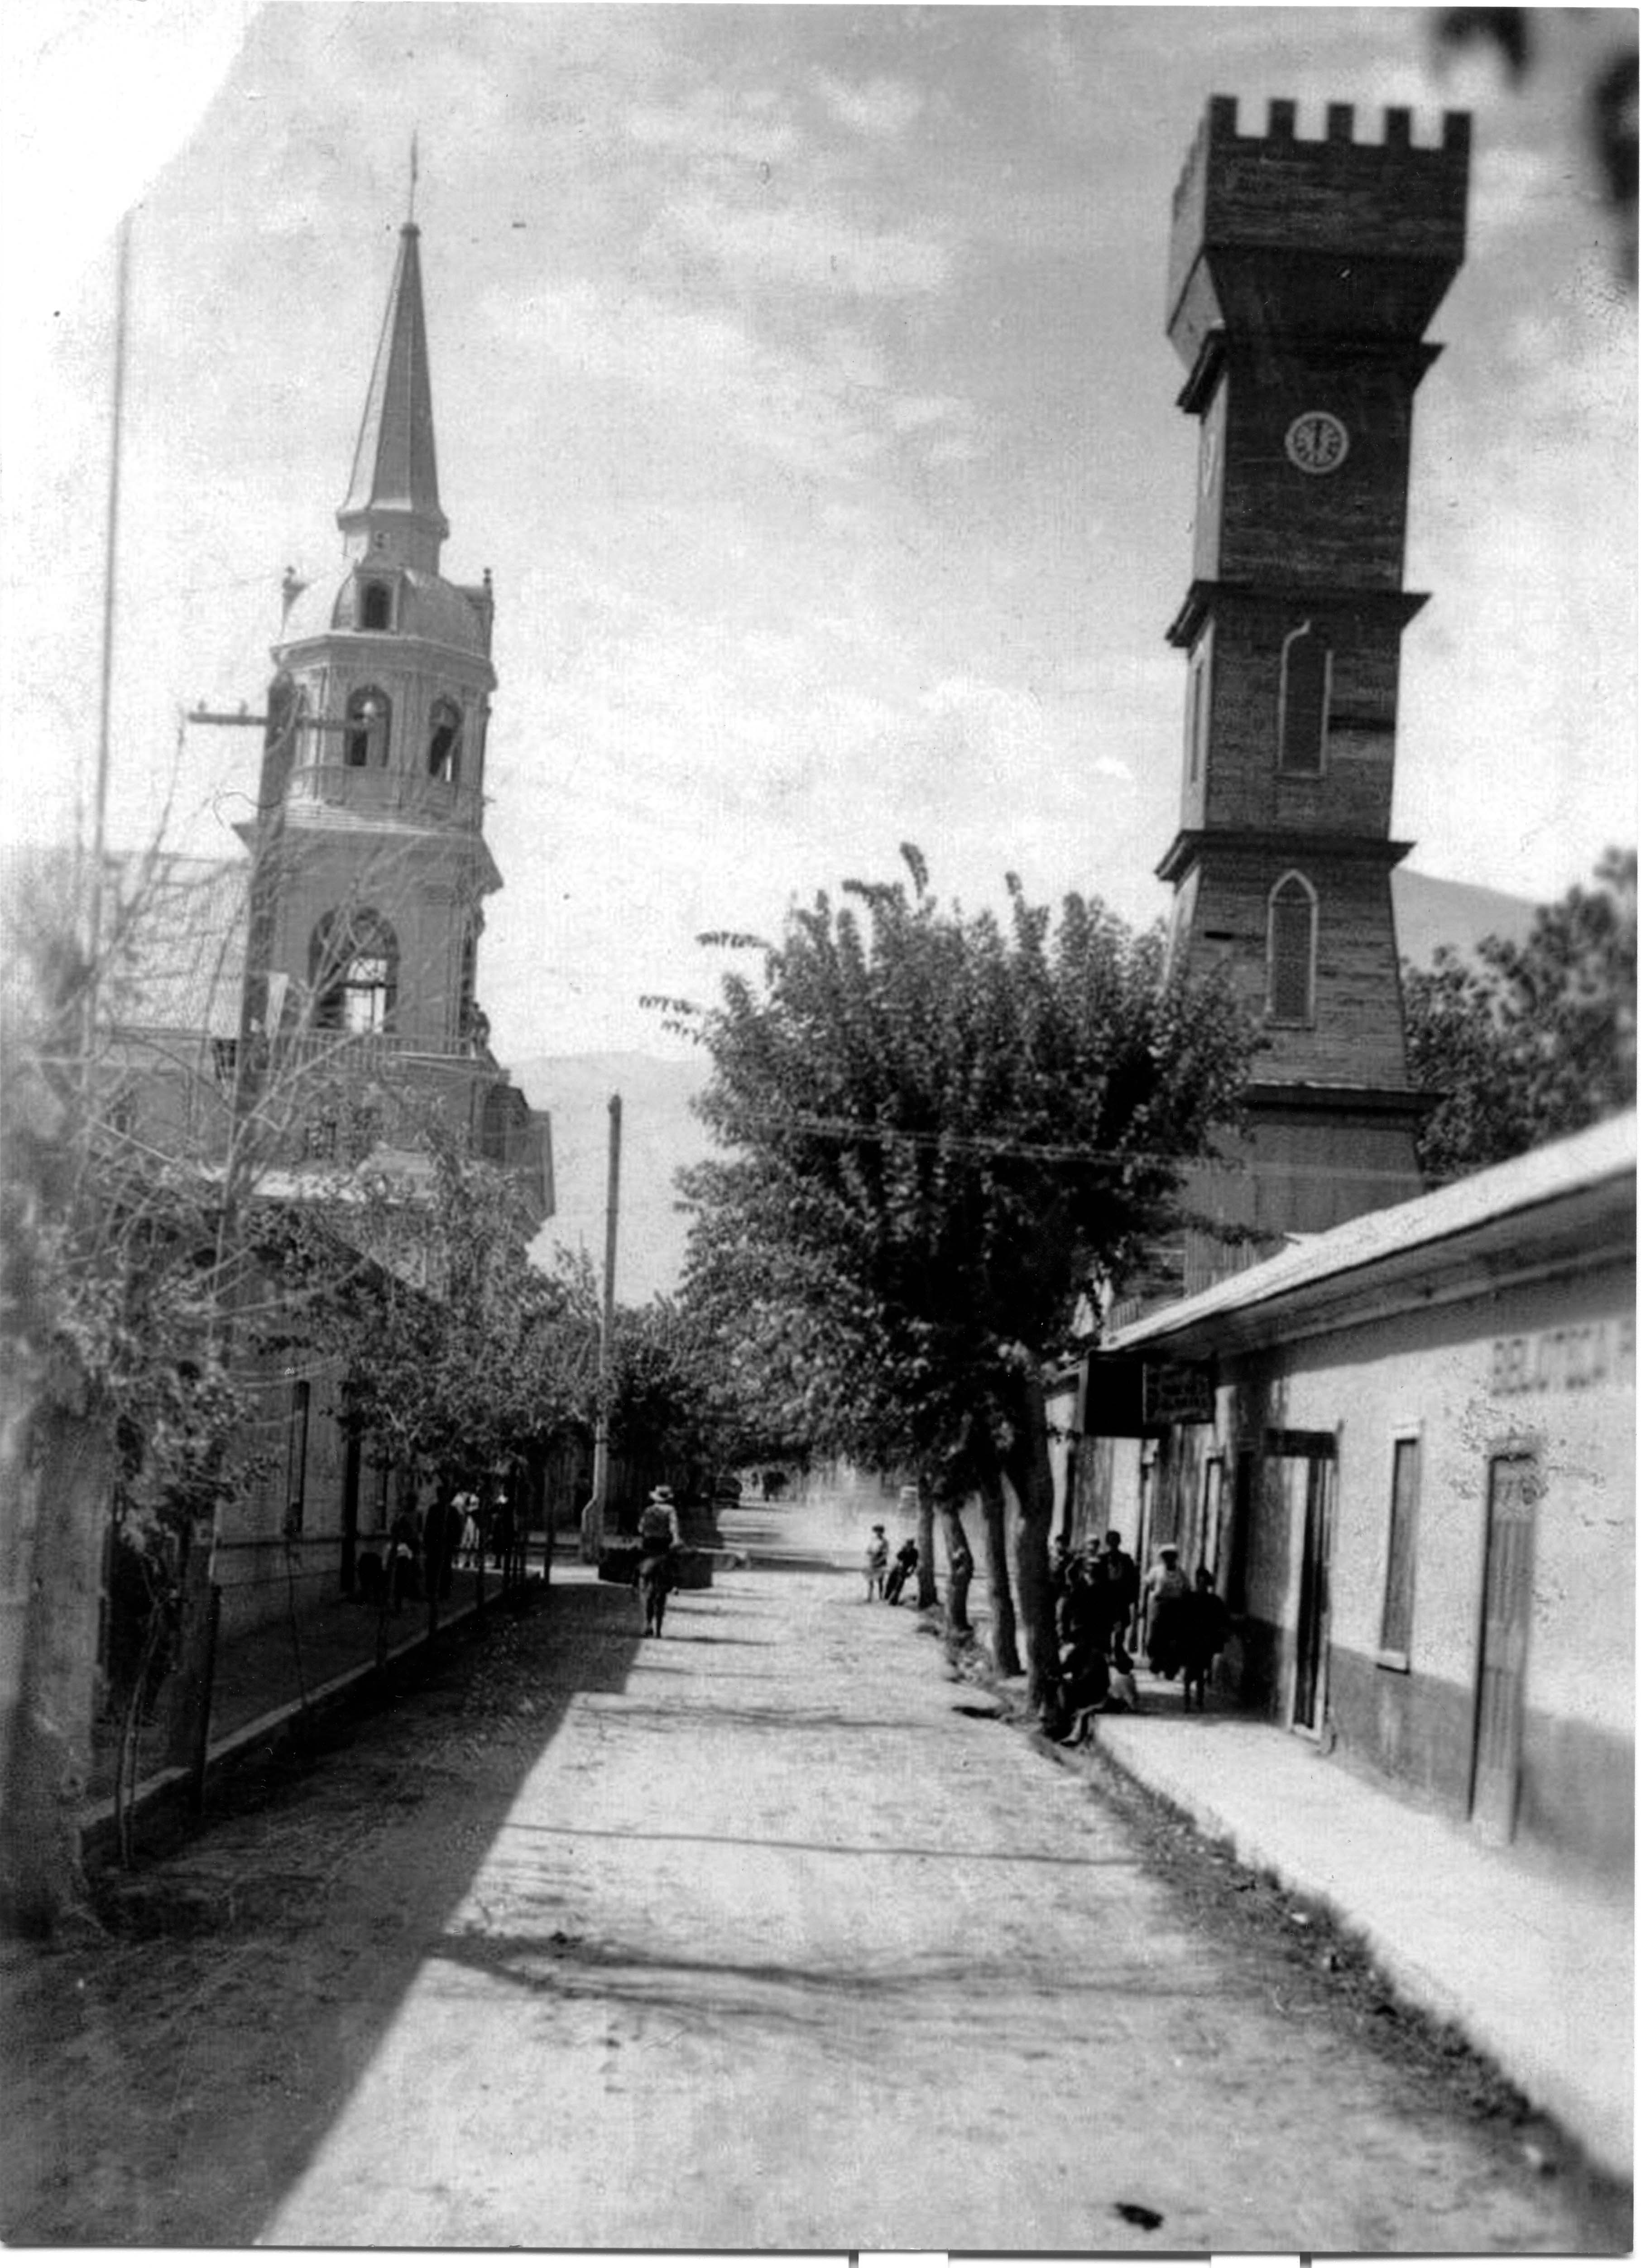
105,703
592,1517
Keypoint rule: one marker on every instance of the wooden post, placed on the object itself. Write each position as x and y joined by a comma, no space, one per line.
201,1761
48,1754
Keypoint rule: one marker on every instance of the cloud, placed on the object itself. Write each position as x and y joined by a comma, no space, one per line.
980,730
1513,188
753,128
810,246
707,361
943,427
878,107
913,411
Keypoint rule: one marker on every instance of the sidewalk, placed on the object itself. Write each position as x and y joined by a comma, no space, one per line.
1536,1974
266,1676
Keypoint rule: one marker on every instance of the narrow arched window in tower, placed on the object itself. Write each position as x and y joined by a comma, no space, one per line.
1196,714
376,608
1302,703
370,719
444,742
1291,952
353,964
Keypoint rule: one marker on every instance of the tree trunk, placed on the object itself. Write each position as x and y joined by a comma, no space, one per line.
926,1595
48,1757
959,1567
1005,1658
1031,1476
191,1681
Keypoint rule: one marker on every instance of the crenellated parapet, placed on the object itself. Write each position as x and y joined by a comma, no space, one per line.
1285,235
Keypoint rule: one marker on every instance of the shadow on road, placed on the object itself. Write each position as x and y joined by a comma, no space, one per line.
254,1975
955,1854
567,1969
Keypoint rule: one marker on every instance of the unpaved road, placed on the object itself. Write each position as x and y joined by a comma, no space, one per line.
744,1937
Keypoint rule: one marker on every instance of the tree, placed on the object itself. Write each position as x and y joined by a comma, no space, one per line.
1606,126
1531,1041
949,1129
117,1400
457,1355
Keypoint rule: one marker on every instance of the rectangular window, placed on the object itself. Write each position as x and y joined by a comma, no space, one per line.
296,1457
1395,1628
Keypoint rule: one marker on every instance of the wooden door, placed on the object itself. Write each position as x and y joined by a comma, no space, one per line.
1501,1669
1210,1522
1310,1668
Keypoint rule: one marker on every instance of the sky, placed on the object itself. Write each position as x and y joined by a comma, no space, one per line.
800,375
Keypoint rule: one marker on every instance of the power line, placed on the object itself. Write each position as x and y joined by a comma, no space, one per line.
1065,1153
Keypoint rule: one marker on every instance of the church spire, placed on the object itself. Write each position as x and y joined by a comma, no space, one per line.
392,504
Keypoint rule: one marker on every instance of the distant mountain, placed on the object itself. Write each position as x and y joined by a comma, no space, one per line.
659,1133
1431,912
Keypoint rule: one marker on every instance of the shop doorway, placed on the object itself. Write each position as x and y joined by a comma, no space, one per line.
1309,1467
1501,1668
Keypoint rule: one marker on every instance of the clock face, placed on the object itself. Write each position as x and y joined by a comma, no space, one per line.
1317,442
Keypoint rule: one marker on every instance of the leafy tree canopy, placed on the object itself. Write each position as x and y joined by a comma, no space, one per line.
1527,1042
945,1129
457,1354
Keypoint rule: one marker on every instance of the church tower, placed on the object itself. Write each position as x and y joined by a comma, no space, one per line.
1302,275
371,866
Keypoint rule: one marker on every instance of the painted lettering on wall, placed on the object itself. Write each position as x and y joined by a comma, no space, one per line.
1566,1360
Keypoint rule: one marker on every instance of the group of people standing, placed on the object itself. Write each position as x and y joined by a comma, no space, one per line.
1102,1607
417,1558
887,1579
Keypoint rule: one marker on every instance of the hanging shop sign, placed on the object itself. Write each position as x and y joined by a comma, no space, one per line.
1129,1396
1177,1393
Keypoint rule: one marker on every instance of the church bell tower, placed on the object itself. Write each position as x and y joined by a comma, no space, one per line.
1302,277
371,867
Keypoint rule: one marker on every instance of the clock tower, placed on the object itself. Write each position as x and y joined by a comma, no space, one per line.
1301,277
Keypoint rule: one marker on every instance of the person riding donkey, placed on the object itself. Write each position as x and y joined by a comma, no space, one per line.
659,1539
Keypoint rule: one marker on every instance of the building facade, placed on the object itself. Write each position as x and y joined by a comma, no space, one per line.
287,1018
1409,1463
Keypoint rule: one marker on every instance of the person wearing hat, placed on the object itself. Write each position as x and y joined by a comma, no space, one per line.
659,1539
658,1522
1166,1590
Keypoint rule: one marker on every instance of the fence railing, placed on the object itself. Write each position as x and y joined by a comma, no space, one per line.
286,1636
378,791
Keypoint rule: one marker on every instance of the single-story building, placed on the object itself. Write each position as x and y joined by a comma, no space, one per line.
1406,1449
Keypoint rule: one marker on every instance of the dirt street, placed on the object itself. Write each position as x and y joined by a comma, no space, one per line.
751,1935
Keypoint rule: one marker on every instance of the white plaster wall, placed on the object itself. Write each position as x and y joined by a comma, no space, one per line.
1550,1365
